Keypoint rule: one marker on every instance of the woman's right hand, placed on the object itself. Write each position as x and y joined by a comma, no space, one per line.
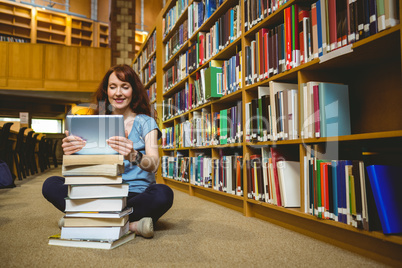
72,144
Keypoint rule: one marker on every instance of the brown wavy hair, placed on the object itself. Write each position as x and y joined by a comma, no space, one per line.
139,102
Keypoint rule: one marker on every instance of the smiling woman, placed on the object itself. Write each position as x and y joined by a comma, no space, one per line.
123,94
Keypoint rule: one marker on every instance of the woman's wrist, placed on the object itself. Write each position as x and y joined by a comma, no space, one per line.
136,159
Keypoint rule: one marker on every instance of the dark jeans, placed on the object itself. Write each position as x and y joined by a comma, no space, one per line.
155,201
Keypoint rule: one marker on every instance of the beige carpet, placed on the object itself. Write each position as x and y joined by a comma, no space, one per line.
193,233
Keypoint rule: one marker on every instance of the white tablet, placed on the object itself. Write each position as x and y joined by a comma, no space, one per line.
95,130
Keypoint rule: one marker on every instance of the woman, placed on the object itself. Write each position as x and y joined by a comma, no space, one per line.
124,94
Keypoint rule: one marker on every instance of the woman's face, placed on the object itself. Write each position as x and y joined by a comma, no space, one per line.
119,93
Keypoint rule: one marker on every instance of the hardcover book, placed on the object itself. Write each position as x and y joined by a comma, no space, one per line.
386,185
97,191
95,204
94,233
56,240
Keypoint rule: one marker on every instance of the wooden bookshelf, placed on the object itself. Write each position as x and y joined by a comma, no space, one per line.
145,63
51,27
22,22
372,70
15,20
82,32
102,34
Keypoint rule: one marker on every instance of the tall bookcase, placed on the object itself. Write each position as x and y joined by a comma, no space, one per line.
22,22
145,64
373,72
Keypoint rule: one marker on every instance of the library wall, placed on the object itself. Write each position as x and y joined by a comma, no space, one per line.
51,67
103,10
82,7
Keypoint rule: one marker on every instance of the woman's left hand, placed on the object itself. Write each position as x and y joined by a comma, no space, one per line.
122,145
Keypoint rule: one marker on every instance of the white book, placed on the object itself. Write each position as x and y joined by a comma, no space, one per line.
97,191
98,233
276,87
289,182
100,214
85,243
96,204
391,13
93,180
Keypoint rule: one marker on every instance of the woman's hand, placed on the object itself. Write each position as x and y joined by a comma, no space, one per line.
123,146
72,144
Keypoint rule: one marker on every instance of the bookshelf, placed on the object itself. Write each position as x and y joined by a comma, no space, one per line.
15,20
82,32
51,27
27,24
145,64
103,34
371,69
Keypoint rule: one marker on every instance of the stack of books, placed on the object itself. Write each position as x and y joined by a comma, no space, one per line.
96,213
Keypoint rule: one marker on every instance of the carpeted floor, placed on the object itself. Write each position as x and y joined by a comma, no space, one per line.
193,233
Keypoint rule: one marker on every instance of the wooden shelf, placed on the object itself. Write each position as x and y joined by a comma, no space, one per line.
37,25
372,69
15,20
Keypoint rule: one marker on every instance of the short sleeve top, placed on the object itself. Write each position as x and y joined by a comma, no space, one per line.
137,178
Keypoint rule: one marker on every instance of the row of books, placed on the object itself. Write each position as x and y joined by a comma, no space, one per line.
148,72
192,96
151,92
147,51
206,128
223,76
223,173
177,72
274,114
311,32
226,76
225,30
172,15
352,192
265,56
96,214
273,179
340,22
257,10
199,12
222,33
175,43
220,78
5,38
324,109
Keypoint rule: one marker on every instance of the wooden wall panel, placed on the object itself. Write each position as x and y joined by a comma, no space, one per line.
4,63
93,63
52,67
61,62
81,7
25,65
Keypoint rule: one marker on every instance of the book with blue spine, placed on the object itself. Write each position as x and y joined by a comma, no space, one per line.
334,110
386,185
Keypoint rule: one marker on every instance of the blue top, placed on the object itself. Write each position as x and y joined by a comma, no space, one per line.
137,178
